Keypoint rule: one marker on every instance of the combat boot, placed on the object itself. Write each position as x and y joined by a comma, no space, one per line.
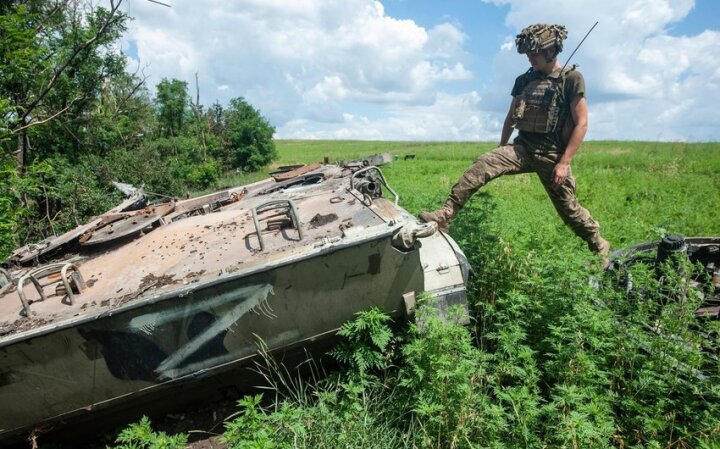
602,247
442,216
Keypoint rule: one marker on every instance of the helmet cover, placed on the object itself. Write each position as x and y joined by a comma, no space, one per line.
540,37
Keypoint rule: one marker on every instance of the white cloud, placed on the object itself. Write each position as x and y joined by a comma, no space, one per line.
289,56
449,117
446,41
642,82
322,68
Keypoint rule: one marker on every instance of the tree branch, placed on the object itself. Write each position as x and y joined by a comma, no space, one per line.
47,119
59,6
61,68
47,209
127,97
196,111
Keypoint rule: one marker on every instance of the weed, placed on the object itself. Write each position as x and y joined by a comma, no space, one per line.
140,435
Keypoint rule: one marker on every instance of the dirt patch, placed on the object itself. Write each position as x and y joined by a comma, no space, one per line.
346,224
617,151
152,281
233,268
321,220
194,275
148,282
204,424
209,443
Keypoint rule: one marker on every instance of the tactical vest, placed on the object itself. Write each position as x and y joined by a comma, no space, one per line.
538,107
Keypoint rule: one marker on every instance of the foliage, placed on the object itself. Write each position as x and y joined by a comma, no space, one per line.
56,59
17,197
172,105
368,346
68,104
247,137
441,382
140,435
559,354
331,421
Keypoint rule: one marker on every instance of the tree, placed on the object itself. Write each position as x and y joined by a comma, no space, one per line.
56,56
214,116
248,137
72,119
172,104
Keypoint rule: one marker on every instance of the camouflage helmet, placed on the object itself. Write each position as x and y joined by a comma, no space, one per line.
540,37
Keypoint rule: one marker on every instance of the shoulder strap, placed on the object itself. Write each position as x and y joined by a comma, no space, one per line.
525,79
564,112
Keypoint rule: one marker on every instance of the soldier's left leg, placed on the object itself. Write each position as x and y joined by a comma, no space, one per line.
567,205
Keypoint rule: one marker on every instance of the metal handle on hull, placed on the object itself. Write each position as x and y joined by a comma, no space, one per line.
42,272
382,179
273,204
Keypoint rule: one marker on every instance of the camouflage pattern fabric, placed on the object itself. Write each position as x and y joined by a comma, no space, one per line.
540,37
516,159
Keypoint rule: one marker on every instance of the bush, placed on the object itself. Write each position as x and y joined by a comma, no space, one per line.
247,136
19,196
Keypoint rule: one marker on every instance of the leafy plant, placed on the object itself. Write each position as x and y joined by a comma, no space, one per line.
369,343
140,435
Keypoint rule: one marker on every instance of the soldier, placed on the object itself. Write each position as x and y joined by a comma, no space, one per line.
549,110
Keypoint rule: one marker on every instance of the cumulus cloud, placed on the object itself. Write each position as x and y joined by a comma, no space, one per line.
451,117
292,57
327,69
642,82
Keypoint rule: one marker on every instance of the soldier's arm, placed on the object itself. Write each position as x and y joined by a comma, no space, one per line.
507,125
579,111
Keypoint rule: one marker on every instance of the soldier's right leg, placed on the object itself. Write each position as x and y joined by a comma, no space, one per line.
504,160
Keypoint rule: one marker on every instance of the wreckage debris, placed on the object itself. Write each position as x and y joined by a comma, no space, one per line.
151,296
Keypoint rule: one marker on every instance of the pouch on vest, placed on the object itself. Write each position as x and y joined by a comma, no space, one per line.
537,108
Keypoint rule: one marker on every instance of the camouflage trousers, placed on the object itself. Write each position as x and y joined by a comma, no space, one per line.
515,159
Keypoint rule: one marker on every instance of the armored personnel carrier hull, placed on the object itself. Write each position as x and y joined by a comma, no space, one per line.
144,297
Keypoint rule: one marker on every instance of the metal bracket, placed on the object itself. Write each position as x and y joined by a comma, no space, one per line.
291,211
45,271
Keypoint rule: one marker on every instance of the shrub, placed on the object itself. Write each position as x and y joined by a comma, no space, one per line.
247,136
140,435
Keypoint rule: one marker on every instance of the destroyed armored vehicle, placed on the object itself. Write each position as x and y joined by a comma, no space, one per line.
151,296
671,254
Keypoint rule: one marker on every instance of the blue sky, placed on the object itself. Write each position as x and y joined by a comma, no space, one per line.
434,70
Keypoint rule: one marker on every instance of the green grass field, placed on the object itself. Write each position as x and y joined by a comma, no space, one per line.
636,190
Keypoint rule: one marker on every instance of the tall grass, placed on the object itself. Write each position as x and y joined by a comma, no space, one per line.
551,359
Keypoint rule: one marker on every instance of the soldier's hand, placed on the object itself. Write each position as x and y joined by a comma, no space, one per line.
560,174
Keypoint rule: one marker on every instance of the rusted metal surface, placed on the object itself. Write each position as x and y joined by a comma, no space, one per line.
29,253
284,176
193,283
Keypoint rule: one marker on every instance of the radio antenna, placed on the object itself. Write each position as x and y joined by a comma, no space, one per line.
578,46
